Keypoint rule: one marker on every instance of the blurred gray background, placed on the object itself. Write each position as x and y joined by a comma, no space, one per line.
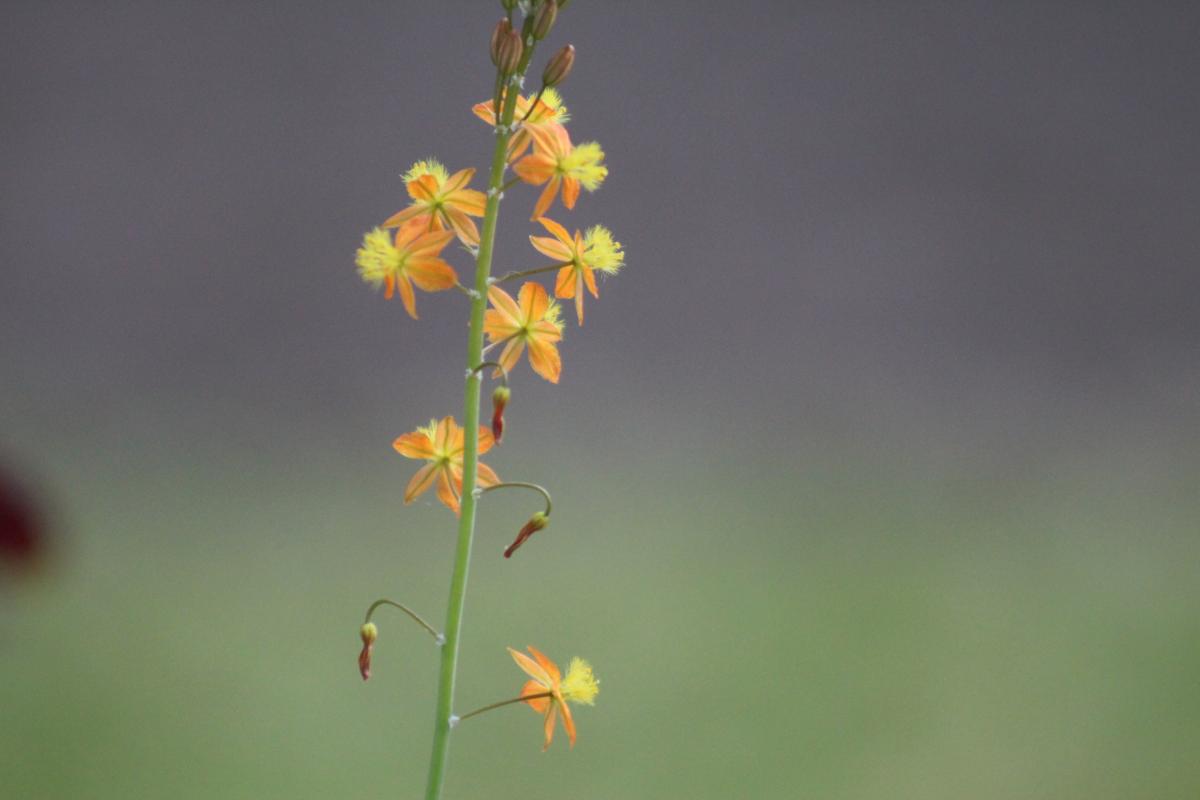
877,464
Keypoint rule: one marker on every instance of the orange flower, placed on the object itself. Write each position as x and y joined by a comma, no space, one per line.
412,258
556,162
442,444
534,321
549,110
581,254
549,691
441,201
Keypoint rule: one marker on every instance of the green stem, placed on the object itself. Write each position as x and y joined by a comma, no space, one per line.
466,520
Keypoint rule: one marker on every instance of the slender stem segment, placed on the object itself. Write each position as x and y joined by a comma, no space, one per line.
504,703
437,637
466,520
512,276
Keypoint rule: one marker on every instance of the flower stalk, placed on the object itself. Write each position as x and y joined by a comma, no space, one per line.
466,521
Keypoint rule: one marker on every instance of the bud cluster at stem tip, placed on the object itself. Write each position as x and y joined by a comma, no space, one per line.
506,47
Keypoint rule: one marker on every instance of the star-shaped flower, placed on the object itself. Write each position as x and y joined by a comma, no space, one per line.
413,257
441,201
533,320
580,254
556,162
548,110
549,692
442,444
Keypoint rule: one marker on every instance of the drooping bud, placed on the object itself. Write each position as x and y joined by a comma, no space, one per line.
499,402
510,52
502,29
535,524
369,634
544,21
559,67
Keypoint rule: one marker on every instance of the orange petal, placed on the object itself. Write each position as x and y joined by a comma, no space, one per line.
546,198
534,169
551,248
545,663
389,286
401,217
423,189
550,140
534,301
518,144
545,360
421,481
503,302
414,445
538,704
548,726
486,475
512,353
558,232
407,297
545,331
486,441
568,722
485,112
564,284
531,667
570,192
445,491
430,243
431,274
590,280
469,201
458,180
498,325
462,225
443,434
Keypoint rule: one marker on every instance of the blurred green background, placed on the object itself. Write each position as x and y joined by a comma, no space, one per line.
874,472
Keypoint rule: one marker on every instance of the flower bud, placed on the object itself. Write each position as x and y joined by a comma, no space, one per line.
559,67
508,5
369,634
510,52
502,29
499,401
535,524
544,21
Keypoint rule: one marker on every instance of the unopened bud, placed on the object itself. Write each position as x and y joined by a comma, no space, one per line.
369,634
535,524
544,21
502,29
559,67
509,56
499,402
508,5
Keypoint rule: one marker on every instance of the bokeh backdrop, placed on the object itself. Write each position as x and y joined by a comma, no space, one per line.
875,470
